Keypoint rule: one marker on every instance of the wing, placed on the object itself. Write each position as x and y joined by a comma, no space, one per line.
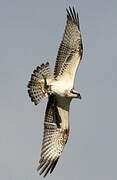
55,136
71,48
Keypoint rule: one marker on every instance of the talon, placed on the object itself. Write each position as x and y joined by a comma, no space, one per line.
47,88
44,92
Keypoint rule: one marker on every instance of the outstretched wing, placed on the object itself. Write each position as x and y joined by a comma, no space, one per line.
70,50
55,136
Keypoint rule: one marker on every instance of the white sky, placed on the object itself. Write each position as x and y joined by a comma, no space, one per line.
30,33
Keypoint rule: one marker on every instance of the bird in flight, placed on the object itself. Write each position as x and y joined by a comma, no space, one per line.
59,88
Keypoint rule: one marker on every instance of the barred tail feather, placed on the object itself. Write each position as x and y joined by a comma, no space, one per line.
37,91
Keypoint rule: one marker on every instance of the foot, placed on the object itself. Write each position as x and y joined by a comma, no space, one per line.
46,86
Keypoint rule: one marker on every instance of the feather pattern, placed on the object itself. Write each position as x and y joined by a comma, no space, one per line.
70,45
59,90
36,85
54,140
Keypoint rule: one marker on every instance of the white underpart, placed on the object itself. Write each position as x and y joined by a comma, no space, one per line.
60,86
65,82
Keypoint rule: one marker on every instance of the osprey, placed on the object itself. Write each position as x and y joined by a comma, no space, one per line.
59,88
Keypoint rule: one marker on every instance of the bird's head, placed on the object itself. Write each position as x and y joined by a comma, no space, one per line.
75,94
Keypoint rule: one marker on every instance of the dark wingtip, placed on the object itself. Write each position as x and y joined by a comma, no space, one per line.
46,167
73,16
53,166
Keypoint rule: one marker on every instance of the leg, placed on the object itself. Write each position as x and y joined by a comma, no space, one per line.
46,86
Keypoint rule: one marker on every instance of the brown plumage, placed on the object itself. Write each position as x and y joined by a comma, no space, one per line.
70,44
59,88
55,135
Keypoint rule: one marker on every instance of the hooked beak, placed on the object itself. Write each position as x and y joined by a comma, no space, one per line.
79,96
76,93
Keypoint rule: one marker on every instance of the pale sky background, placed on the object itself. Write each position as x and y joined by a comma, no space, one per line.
30,33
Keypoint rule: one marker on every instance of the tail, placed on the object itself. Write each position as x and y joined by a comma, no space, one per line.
37,85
